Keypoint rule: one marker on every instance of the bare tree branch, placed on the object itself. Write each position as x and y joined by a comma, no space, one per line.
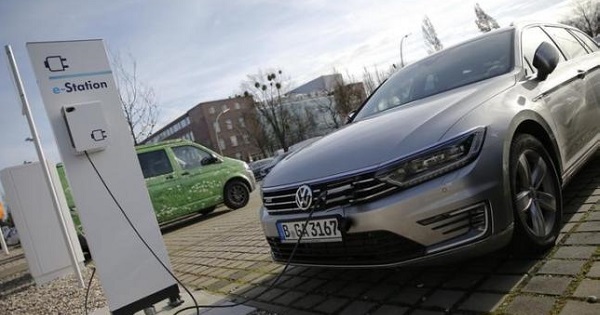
138,100
585,16
267,92
432,42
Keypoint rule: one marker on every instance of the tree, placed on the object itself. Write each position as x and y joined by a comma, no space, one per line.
432,42
303,124
484,22
256,132
327,106
267,92
348,96
585,16
335,105
372,79
137,99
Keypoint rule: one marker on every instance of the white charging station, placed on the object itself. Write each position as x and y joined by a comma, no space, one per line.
84,109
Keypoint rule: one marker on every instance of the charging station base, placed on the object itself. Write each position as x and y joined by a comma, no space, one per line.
203,298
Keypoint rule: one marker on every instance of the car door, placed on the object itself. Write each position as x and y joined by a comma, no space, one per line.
161,182
584,115
590,63
560,93
200,176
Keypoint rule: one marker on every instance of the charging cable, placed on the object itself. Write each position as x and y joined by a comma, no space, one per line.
138,233
87,292
287,264
320,201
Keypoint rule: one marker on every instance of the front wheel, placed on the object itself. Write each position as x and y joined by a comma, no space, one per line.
236,194
536,195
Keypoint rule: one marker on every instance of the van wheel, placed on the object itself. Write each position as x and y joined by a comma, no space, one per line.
236,194
84,247
536,196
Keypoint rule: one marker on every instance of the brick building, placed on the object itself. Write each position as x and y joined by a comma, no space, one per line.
225,136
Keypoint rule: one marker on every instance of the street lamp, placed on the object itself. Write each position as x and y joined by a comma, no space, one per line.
401,54
217,131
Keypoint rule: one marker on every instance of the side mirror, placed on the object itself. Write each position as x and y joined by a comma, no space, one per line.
545,60
210,160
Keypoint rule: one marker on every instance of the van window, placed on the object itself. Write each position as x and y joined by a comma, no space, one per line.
155,163
189,157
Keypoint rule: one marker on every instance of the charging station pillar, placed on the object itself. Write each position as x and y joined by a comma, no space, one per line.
84,109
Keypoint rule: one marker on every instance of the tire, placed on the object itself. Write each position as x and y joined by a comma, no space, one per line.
236,194
87,255
536,196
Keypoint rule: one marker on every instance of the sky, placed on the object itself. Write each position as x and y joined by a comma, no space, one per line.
195,51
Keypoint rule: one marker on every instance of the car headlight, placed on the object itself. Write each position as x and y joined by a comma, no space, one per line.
246,166
435,161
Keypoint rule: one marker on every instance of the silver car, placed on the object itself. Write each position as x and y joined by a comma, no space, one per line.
453,156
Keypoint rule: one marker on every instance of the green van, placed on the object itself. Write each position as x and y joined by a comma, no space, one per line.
184,177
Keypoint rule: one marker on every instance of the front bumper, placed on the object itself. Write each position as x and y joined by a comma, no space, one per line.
455,215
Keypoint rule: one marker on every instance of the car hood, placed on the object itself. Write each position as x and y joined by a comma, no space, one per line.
384,137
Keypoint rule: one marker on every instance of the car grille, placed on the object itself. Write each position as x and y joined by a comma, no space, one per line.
366,248
340,192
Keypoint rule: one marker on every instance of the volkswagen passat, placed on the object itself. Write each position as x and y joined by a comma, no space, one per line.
453,156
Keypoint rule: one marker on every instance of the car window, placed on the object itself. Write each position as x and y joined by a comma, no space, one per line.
589,43
570,46
531,39
188,156
154,163
464,64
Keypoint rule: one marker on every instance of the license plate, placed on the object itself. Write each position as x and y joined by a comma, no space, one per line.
320,230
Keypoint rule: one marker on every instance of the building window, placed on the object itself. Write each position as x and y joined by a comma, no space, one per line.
242,122
234,142
211,110
238,156
217,127
223,108
188,136
237,105
222,144
246,138
229,124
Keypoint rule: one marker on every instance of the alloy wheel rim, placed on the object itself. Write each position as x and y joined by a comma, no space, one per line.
535,198
238,194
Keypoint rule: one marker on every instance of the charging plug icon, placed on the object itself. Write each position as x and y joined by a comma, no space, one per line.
56,63
98,135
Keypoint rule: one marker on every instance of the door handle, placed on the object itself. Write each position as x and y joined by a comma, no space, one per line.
581,74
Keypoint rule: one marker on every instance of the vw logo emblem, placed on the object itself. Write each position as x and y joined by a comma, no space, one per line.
304,197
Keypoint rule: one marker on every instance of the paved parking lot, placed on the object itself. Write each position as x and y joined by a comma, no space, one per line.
227,254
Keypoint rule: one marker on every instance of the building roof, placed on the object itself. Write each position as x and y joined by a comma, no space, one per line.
323,83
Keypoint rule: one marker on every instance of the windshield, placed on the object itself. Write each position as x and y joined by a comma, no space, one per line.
471,62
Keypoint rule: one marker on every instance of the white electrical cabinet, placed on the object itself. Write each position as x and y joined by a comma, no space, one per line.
36,221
